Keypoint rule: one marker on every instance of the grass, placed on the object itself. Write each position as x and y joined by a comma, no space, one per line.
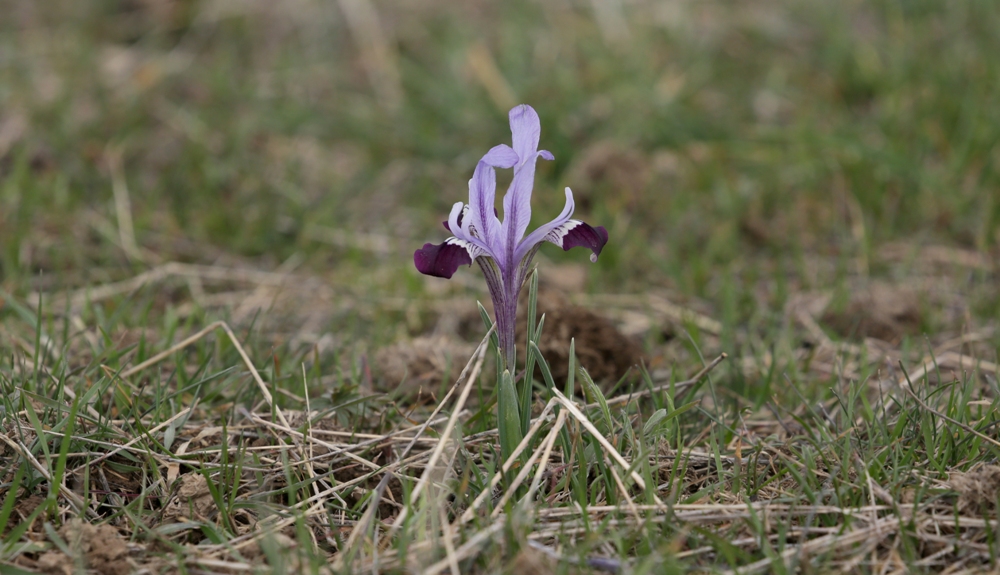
206,217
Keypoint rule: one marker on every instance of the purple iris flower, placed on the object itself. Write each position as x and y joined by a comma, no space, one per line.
501,248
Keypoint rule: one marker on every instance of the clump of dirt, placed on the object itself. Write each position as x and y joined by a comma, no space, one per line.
880,311
413,368
977,490
192,499
600,347
97,547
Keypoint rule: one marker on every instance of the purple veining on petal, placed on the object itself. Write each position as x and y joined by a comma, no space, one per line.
442,260
482,195
501,248
525,131
539,235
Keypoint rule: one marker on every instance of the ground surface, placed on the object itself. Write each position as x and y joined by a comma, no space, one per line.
217,356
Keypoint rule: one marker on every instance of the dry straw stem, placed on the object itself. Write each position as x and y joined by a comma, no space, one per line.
365,522
575,412
950,358
550,441
523,473
659,305
78,504
447,536
285,426
908,390
469,548
507,465
137,439
716,512
665,386
239,348
312,441
478,356
874,532
78,298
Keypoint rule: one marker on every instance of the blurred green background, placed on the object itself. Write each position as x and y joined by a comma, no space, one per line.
723,144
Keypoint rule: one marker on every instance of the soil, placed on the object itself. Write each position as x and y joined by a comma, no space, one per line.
977,490
415,369
192,499
605,352
880,311
96,547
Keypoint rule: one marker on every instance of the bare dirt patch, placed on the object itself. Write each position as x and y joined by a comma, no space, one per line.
192,500
881,311
96,547
605,352
978,490
414,369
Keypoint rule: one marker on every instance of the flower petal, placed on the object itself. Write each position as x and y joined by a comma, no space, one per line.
525,129
443,259
574,234
482,211
537,236
501,156
566,233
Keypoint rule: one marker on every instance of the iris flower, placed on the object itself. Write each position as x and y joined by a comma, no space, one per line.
500,248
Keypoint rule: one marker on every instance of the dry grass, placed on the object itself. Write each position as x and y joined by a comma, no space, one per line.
282,484
217,357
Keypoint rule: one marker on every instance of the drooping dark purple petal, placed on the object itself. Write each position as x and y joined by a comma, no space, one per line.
566,233
577,234
442,260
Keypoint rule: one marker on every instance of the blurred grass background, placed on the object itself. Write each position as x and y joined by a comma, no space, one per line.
749,159
721,143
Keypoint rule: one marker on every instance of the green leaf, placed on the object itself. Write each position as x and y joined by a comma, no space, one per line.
594,394
57,477
494,338
11,498
509,420
533,351
529,363
654,420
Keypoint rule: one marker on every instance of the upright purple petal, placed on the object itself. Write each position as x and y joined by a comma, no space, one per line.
525,129
482,211
443,259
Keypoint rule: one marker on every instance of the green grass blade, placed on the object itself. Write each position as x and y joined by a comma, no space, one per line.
508,418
